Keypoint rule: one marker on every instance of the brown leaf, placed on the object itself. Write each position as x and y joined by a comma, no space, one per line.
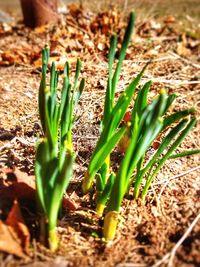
70,202
124,142
24,188
7,58
169,19
127,117
16,221
156,144
24,178
74,9
9,241
18,55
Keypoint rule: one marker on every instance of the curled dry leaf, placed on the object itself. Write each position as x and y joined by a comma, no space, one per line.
9,241
23,187
16,221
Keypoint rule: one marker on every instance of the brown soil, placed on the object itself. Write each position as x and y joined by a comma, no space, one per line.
149,233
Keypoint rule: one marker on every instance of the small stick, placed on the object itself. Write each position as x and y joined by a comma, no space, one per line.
178,244
175,177
185,60
158,263
171,255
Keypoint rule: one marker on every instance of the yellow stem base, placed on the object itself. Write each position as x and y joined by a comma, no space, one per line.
53,240
86,184
110,225
100,209
107,162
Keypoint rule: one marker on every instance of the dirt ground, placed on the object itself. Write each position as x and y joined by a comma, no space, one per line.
165,231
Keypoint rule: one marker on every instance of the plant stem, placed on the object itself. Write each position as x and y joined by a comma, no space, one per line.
87,183
107,162
110,225
53,239
100,209
52,222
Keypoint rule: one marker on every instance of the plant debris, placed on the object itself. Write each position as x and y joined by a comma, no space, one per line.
15,236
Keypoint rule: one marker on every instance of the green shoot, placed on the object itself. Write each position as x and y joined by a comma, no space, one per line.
147,122
113,115
174,145
55,155
184,154
104,192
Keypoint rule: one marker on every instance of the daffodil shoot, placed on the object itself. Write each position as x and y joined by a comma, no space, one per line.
148,120
54,152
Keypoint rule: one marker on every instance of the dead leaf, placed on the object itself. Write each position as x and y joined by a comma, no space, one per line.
105,21
17,55
127,117
74,9
24,178
41,29
156,144
124,142
9,241
23,187
170,19
8,58
70,202
16,221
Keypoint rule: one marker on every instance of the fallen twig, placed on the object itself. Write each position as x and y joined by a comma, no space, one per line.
170,255
175,177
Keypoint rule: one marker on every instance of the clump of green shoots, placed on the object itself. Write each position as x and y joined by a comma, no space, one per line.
55,155
148,121
113,114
